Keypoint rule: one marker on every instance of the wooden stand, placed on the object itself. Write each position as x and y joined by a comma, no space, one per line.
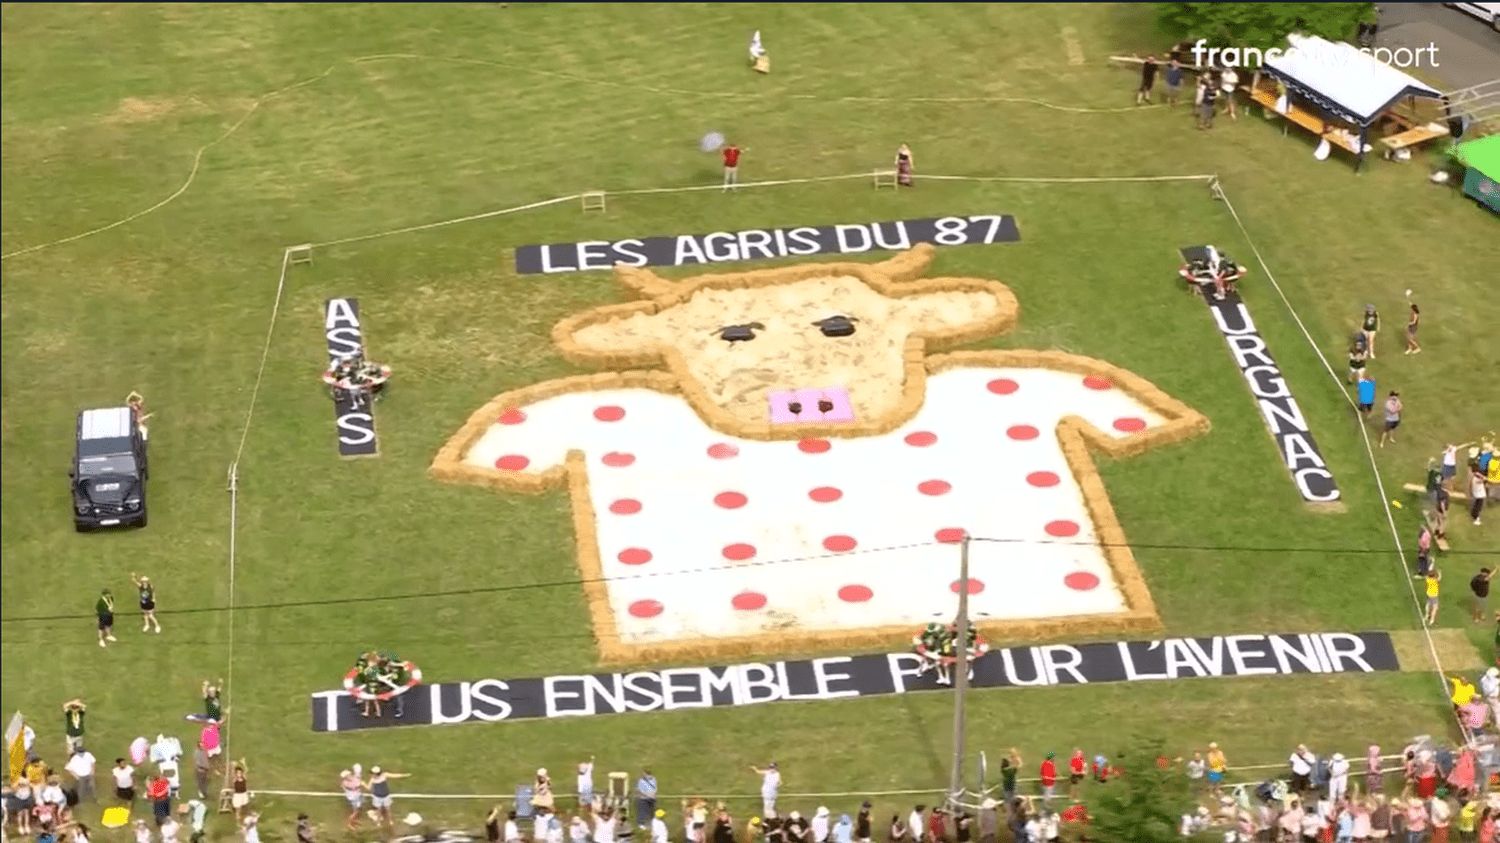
299,254
884,178
593,201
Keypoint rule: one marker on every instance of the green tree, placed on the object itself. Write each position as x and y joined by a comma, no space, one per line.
1146,804
1263,25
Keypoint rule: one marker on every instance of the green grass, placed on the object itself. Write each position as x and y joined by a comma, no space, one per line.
103,111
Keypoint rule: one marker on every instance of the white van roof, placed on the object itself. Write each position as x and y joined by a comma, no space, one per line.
111,423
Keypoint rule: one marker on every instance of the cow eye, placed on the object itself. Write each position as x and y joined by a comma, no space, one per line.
837,326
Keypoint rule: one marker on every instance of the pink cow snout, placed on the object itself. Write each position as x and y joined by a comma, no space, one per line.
831,404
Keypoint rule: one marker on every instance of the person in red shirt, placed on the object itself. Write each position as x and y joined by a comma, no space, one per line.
1049,778
937,825
1076,770
731,166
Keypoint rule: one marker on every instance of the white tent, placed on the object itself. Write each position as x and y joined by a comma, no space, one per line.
1342,79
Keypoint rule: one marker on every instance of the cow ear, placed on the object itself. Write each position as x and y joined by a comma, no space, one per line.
958,309
614,335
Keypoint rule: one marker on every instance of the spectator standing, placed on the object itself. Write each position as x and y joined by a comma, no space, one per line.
1480,586
541,794
1148,81
1365,392
1477,493
1008,780
1217,765
895,834
820,825
578,828
251,827
1049,778
147,593
989,821
169,829
512,828
1392,418
1208,94
770,785
645,797
81,767
213,711
586,782
937,824
104,610
142,831
915,823
1485,831
731,167
202,767
1416,821
863,826
659,833
1173,77
304,829
380,792
905,163
1413,321
1338,778
604,826
240,787
350,782
1301,770
1440,816
1432,585
159,791
843,830
1229,80
1374,775
1197,768
124,775
73,714
1370,327
491,825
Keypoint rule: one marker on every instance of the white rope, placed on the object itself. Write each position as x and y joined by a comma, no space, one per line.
1369,452
1208,177
456,220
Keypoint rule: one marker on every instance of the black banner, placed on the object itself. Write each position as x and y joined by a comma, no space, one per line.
355,425
492,700
767,243
1273,396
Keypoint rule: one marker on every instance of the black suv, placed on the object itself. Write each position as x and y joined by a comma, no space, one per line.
109,470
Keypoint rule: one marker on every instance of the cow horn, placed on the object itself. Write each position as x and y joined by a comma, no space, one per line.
908,265
643,281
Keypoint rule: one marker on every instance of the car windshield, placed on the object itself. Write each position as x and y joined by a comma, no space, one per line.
122,465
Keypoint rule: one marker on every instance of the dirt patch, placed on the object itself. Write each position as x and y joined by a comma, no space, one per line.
1453,647
138,110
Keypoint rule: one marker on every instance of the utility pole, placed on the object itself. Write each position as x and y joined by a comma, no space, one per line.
961,673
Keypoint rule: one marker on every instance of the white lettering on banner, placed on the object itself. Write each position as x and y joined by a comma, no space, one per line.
356,428
1317,645
901,241
722,683
629,251
903,665
1247,325
825,678
330,700
1240,654
1296,451
439,717
595,254
1352,653
340,313
555,695
1285,653
696,688
344,342
786,686
1179,657
1007,660
642,684
1247,346
806,239
748,684
730,243
1061,658
1283,417
1212,660
845,246
549,267
479,692
600,695
756,243
1277,388
1308,493
1132,674
687,247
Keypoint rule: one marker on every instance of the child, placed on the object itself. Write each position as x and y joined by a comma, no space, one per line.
1432,581
1412,321
1366,393
1370,327
1392,418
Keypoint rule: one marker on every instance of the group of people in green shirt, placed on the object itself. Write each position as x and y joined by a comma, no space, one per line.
380,676
937,645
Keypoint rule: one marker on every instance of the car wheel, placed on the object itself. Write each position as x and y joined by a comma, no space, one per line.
142,522
80,526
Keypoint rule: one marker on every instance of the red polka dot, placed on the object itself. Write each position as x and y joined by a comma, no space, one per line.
1130,424
645,608
625,506
739,552
920,439
934,487
1042,478
749,601
975,586
1097,382
949,535
512,416
1022,432
855,593
609,413
839,544
1081,581
512,462
1002,386
618,459
814,446
1062,529
722,451
825,494
635,556
730,500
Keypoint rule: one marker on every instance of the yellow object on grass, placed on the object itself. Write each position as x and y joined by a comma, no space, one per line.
1463,691
116,817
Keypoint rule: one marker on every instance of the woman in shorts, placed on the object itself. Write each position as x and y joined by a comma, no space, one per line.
104,609
148,603
354,793
241,795
1370,327
1413,320
1358,351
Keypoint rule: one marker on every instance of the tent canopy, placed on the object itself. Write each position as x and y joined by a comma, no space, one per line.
1482,155
1342,79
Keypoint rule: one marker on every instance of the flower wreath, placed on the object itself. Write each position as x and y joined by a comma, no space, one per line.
357,690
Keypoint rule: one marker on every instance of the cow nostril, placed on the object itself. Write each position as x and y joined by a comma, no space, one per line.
824,405
836,326
795,407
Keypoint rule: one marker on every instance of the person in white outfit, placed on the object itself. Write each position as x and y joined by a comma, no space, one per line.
770,785
1338,778
659,832
820,825
1489,687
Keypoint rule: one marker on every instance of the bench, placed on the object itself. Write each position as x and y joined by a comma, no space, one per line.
1414,136
1266,97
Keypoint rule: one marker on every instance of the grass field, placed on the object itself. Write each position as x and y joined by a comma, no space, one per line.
477,107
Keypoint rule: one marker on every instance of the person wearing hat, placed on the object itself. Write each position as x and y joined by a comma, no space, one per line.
1370,326
1338,777
1049,778
843,830
304,829
379,786
659,832
147,593
820,825
753,829
541,795
862,824
770,785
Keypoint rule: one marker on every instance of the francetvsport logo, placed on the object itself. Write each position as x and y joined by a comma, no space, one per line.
1337,55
